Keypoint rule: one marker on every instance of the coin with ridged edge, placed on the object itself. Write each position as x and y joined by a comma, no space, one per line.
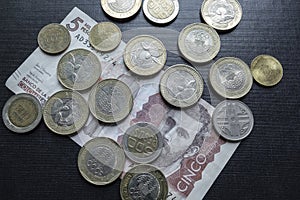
121,9
65,112
181,86
22,113
78,69
144,182
54,38
101,161
233,120
110,100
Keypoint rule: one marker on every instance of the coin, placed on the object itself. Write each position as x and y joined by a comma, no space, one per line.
142,142
145,55
121,9
144,182
221,14
54,38
233,120
161,11
266,70
65,112
22,113
78,69
230,77
101,161
105,36
110,100
181,85
199,43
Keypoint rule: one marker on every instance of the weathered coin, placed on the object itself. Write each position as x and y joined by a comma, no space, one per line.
145,55
22,113
266,70
181,85
110,100
142,142
105,36
221,14
144,182
121,9
78,69
65,112
101,161
161,11
233,120
230,77
199,43
54,38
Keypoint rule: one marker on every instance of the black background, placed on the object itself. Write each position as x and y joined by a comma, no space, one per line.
43,165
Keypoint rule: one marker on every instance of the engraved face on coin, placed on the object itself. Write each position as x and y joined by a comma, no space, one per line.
230,77
110,100
78,69
144,182
22,113
105,36
54,38
145,55
101,161
266,70
199,43
221,14
142,142
233,120
181,86
65,112
161,11
121,9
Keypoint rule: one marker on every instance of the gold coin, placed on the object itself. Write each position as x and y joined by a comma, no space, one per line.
266,70
105,36
121,9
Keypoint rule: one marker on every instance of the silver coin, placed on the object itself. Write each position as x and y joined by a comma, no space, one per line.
101,161
142,142
65,112
161,11
78,69
145,55
231,77
121,9
181,86
199,43
144,182
22,113
110,100
233,120
221,14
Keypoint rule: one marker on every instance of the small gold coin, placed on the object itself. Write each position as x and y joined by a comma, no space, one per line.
266,70
105,36
121,9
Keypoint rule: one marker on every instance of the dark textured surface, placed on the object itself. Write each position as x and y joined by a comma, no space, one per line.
42,165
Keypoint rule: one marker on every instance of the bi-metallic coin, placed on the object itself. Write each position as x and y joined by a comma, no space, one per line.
121,9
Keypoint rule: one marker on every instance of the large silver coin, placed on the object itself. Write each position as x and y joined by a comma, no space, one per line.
221,14
101,161
233,120
231,77
65,112
54,38
144,182
199,43
105,36
142,142
78,69
22,113
145,55
121,9
161,11
181,86
110,100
